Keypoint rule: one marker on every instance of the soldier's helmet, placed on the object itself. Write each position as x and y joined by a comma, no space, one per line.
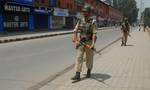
87,8
125,19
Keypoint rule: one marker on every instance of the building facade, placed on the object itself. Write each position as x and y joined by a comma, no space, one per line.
32,15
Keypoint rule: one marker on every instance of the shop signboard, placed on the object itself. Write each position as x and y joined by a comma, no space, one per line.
16,8
22,1
61,12
43,10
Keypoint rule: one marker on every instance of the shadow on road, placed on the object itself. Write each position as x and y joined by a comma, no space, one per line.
100,77
129,45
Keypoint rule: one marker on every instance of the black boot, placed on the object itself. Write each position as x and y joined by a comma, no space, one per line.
125,44
122,43
76,77
88,75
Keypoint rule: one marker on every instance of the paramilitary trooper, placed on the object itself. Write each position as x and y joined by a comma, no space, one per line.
125,31
84,32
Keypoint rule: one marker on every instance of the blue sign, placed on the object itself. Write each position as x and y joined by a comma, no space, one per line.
60,12
43,10
53,2
22,1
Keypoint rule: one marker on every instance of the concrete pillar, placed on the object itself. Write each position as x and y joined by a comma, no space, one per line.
31,22
1,21
49,22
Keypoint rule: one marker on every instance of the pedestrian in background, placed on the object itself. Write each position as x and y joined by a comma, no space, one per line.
139,27
144,27
125,27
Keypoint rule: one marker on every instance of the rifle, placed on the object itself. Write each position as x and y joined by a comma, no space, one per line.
82,43
130,35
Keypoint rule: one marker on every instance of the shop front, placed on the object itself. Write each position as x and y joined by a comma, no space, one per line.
42,18
42,15
71,19
1,16
16,17
59,18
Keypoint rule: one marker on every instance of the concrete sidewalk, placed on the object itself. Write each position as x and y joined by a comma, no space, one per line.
31,35
118,68
19,36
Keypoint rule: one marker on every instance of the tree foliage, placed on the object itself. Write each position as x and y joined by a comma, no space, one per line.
147,16
109,1
115,3
129,9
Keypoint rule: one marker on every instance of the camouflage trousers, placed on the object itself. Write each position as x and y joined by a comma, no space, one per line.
124,38
84,54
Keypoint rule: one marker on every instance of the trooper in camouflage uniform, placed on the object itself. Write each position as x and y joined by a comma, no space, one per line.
125,31
85,31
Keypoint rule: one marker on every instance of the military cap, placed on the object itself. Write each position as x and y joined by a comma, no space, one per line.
87,8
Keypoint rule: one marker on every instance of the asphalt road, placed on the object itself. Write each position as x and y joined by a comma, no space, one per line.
25,63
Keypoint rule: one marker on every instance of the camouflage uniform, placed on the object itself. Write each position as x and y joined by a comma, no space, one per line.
84,32
144,29
125,32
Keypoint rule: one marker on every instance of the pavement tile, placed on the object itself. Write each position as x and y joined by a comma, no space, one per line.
119,68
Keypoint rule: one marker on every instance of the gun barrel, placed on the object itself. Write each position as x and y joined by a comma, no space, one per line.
88,46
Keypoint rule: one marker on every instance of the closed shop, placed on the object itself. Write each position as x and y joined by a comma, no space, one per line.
42,13
41,21
59,18
16,17
41,18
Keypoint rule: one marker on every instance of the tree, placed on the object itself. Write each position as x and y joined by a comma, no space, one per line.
109,1
129,9
147,16
115,3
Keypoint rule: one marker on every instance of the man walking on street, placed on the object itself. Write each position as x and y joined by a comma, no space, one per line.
125,31
139,27
144,29
84,32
